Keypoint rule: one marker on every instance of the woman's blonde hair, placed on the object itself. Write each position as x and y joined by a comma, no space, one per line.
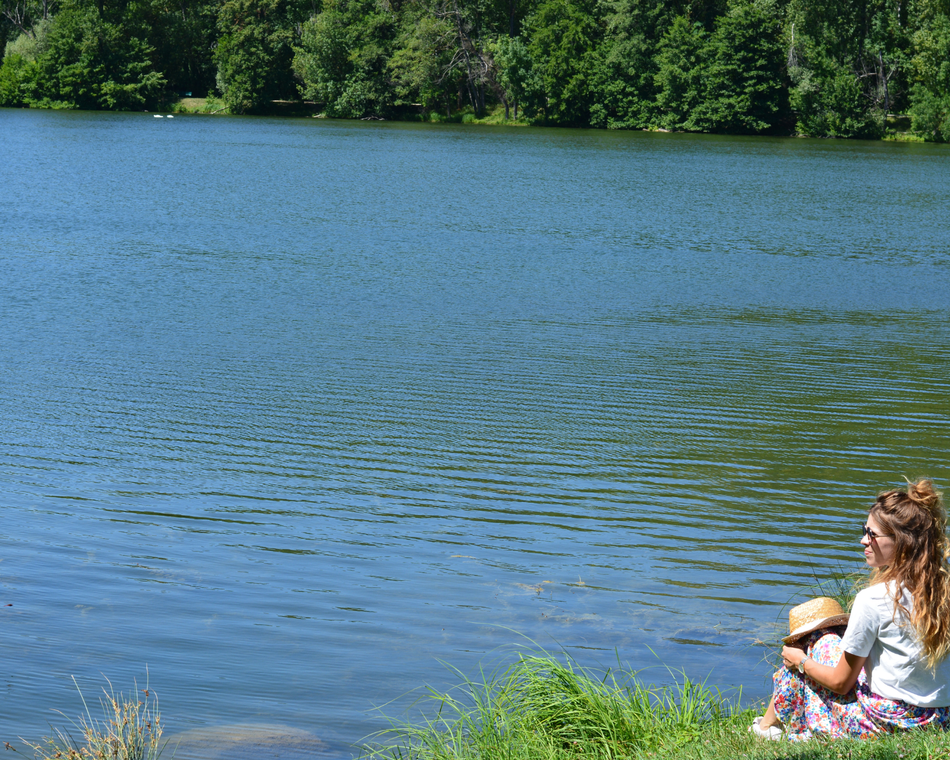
917,521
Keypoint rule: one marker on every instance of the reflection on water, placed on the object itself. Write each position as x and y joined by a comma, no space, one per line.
293,411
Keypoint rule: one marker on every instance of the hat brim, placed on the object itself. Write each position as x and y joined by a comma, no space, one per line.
828,622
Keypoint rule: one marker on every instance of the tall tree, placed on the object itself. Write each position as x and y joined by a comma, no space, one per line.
343,55
254,53
441,50
679,78
423,66
184,35
743,88
846,61
516,75
624,80
91,55
930,92
563,38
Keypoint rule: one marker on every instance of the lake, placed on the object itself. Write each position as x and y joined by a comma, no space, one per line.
297,415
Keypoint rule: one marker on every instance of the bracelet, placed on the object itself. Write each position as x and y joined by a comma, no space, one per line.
801,665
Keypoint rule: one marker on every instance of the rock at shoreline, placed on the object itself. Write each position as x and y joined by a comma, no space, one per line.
249,741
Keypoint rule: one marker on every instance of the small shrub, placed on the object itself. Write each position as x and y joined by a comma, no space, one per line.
930,114
11,77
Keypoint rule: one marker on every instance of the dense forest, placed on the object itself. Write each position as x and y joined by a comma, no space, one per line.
815,67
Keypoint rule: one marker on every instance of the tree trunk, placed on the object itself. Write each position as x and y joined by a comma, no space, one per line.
887,103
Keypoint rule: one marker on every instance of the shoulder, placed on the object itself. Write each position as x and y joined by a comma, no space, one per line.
872,595
876,604
872,603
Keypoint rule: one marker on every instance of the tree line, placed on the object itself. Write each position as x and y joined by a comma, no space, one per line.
833,68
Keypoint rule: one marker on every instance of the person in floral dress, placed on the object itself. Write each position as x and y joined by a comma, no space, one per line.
888,670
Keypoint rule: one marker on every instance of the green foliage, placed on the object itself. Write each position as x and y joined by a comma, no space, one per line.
323,63
516,74
254,53
743,80
212,105
19,64
679,77
562,37
342,58
830,102
12,75
442,51
931,60
184,36
930,114
423,65
80,60
23,17
30,45
625,79
834,68
930,93
847,64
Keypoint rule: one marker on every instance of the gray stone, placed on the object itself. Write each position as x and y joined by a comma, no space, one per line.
250,741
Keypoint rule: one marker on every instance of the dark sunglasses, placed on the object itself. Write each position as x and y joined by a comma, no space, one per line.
866,531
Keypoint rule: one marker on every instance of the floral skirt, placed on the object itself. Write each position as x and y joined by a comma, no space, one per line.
807,709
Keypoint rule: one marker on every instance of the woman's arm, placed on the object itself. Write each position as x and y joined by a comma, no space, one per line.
840,679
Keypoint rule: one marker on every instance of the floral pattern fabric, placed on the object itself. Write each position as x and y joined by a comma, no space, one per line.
807,709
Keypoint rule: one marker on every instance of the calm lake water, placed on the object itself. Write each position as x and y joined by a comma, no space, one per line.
295,412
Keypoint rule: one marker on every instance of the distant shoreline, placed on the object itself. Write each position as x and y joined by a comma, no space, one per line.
898,124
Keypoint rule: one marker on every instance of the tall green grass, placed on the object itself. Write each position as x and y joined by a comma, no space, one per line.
842,585
544,708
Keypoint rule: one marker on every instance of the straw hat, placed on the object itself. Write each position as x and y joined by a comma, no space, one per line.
821,612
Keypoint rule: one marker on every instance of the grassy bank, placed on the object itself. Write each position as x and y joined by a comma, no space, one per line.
212,106
542,708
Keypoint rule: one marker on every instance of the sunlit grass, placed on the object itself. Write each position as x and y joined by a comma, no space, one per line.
130,729
545,708
495,116
208,105
542,707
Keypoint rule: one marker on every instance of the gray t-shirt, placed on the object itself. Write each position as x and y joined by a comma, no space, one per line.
895,666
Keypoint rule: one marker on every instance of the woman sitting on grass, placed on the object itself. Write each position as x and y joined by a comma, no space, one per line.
890,670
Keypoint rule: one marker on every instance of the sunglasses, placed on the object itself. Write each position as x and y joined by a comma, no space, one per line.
866,531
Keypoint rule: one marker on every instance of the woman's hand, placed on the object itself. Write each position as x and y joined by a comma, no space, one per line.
792,657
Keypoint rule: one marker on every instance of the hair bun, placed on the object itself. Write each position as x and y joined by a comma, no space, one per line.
923,493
